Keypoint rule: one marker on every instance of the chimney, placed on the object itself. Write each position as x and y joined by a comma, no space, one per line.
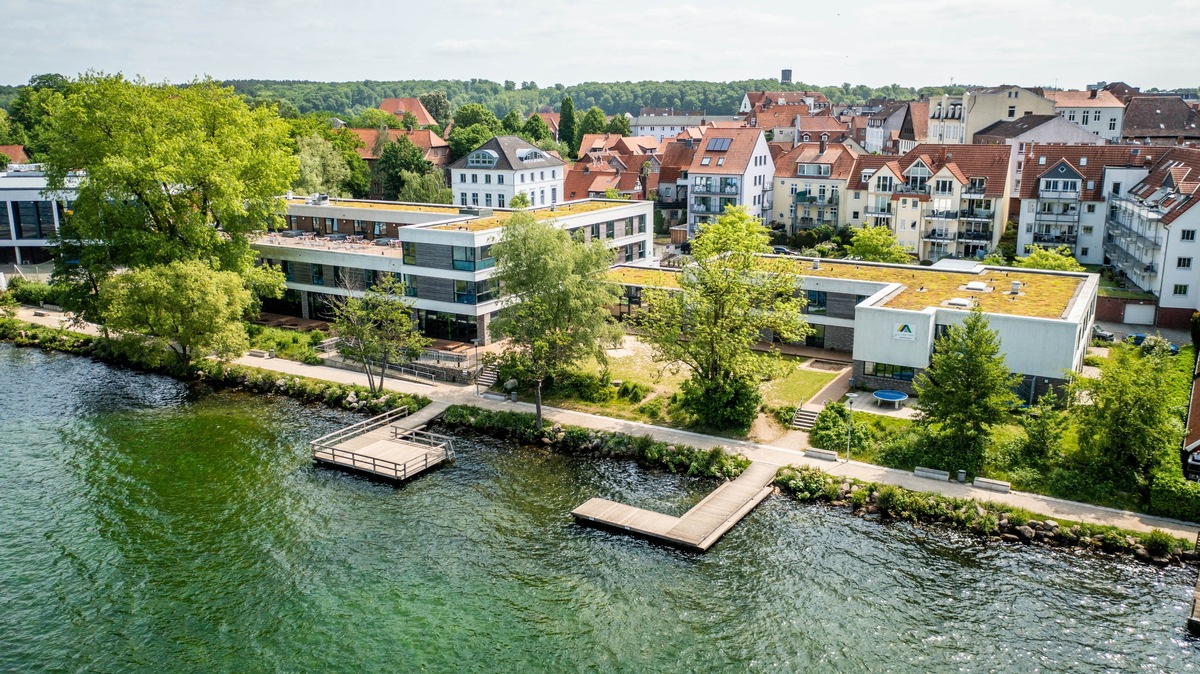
822,145
1092,92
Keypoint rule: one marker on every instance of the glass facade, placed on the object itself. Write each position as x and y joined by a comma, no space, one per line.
442,325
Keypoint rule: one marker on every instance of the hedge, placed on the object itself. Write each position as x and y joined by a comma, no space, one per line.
1175,497
522,427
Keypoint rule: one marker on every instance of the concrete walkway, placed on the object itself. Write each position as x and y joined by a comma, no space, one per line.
778,456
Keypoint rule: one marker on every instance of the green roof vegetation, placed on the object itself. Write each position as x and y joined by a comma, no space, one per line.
562,210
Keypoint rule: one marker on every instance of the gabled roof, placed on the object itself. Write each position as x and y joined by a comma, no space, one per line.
776,116
510,152
676,157
1041,159
551,119
1173,183
15,153
915,126
422,138
1083,99
1017,127
1160,116
399,106
728,151
865,162
839,157
759,98
989,162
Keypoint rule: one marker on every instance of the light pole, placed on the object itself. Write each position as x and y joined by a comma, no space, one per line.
475,342
849,421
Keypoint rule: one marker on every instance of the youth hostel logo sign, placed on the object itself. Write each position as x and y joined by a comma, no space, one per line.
904,331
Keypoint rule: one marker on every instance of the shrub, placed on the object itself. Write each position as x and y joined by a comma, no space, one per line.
633,391
1093,360
722,404
652,408
583,386
1159,543
34,293
783,414
806,483
829,430
1175,497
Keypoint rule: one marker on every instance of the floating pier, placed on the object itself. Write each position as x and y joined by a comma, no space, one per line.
393,446
698,528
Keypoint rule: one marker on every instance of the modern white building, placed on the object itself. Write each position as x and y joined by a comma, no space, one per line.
29,215
442,252
665,127
1025,132
1096,110
957,118
730,167
493,173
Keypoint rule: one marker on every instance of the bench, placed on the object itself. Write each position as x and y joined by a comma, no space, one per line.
259,353
822,454
932,474
992,485
40,314
51,307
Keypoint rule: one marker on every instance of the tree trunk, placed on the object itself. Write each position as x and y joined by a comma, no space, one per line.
537,397
382,374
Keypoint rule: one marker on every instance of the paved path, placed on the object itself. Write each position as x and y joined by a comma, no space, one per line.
778,456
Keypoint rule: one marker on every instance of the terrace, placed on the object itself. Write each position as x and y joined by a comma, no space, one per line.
548,213
380,206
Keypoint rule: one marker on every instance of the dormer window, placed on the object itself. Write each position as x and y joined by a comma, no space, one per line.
482,159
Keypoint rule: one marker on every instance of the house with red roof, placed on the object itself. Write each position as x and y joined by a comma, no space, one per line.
15,153
730,167
399,106
810,180
436,149
1095,110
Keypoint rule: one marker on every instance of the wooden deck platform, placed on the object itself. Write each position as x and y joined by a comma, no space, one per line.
392,446
1193,622
698,528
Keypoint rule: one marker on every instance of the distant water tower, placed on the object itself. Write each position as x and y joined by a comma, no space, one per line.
786,76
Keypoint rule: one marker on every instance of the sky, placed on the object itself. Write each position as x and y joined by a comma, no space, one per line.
1069,44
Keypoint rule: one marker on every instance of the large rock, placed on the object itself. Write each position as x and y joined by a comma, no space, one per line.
1010,538
1026,533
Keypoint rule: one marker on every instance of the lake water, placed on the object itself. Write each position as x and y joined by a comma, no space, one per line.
151,526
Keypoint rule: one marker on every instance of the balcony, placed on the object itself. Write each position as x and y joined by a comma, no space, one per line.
714,188
972,191
904,188
1055,238
1070,217
1059,194
879,212
976,235
980,215
940,215
939,235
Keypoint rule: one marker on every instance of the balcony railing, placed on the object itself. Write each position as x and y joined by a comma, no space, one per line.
1055,238
1072,216
976,235
976,215
714,188
940,235
1059,194
904,188
880,213
940,215
974,190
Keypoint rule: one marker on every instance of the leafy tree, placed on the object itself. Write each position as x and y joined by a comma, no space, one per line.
464,139
1058,259
510,85
619,125
877,244
512,122
567,132
829,430
728,297
967,388
593,122
189,306
424,188
519,200
473,113
400,157
374,118
1125,419
28,110
559,309
535,129
173,173
1044,426
438,107
10,133
995,259
322,168
377,329
408,121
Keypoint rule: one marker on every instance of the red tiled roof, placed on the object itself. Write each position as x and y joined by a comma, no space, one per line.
676,157
865,162
776,116
399,106
15,153
1098,156
1178,170
436,149
839,157
1083,99
968,161
758,98
551,119
736,158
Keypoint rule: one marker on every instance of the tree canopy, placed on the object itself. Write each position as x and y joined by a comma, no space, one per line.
424,188
437,105
535,128
171,173
399,157
567,130
1057,259
593,122
877,244
558,310
512,122
474,113
463,139
322,168
377,329
619,125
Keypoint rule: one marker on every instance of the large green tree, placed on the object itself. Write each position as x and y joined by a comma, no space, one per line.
28,110
374,118
512,122
190,307
728,298
1057,259
322,168
876,244
164,173
567,130
437,105
400,157
376,329
464,139
594,121
424,188
556,304
473,113
535,128
619,125
967,387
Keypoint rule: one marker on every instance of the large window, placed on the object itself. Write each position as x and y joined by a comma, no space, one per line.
441,325
412,286
816,302
464,258
485,259
464,292
887,371
817,338
33,219
409,251
318,275
5,232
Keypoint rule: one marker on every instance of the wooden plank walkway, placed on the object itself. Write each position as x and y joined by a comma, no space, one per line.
392,446
1193,622
698,528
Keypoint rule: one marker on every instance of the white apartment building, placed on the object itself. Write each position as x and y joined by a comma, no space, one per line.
1096,110
668,126
730,167
493,173
1025,132
956,119
810,180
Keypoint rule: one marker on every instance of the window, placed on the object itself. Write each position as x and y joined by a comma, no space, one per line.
464,258
1012,111
704,161
522,177
543,194
553,174
474,198
499,180
609,229
474,177
380,228
854,215
318,274
641,227
1112,124
289,272
1091,208
464,292
1085,117
554,195
1184,263
595,230
485,259
411,286
887,371
1087,230
500,201
462,177
1071,116
816,302
487,179
463,198
541,175
1083,252
408,251
487,199
1180,289
720,161
943,186
1187,235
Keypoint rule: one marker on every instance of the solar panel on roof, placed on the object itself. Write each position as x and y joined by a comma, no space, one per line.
719,144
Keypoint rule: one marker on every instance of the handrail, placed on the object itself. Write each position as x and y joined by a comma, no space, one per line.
366,425
399,471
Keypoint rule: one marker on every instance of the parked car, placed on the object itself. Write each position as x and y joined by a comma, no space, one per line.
1100,333
782,250
1137,338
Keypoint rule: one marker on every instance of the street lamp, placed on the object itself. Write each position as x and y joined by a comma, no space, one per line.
475,343
849,421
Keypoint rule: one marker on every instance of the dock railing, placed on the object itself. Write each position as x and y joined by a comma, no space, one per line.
398,471
344,434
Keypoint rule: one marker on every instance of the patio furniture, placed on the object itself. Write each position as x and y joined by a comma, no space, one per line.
894,397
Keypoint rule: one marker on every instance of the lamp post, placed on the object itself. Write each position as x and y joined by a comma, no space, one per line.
849,421
475,343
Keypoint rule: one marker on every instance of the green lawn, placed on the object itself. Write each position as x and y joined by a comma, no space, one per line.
797,385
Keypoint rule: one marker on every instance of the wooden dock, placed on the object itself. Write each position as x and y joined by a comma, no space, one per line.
698,528
1193,622
393,445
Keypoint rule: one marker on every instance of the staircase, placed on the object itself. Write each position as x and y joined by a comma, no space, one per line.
487,377
804,419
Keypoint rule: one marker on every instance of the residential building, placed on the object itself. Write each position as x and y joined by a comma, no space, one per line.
1063,195
957,118
810,180
813,129
29,214
731,167
437,150
914,130
939,200
1025,132
883,128
551,119
673,180
887,317
340,247
399,106
757,100
491,174
593,143
1160,120
1151,236
664,127
15,154
1095,110
593,179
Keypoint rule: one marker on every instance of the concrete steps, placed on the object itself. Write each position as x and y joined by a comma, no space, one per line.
487,376
804,419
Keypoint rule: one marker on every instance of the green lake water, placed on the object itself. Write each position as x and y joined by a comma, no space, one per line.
148,525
